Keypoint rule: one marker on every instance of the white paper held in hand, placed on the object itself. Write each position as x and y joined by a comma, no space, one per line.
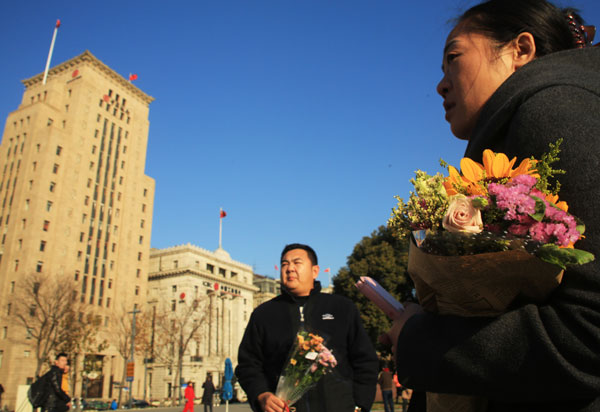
379,296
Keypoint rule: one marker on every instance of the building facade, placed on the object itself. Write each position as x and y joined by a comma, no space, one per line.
268,288
75,202
220,290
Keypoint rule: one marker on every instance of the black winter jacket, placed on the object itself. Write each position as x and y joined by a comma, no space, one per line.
269,336
57,399
536,357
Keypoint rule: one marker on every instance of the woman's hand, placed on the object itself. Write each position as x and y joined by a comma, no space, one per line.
391,337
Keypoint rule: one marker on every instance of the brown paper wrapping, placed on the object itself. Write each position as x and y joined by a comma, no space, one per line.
477,285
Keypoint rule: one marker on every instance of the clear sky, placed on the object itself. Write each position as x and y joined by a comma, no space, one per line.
301,118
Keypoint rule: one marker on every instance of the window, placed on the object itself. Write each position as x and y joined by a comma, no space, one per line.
222,272
210,268
58,150
46,225
142,223
26,204
138,273
34,165
16,265
12,287
42,245
29,333
173,305
139,255
110,283
55,168
108,302
38,267
8,309
86,201
174,288
145,192
137,291
52,186
23,223
4,332
175,264
76,275
48,206
143,207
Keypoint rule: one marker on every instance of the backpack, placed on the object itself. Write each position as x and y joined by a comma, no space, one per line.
39,392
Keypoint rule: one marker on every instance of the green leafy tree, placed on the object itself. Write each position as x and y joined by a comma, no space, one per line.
383,257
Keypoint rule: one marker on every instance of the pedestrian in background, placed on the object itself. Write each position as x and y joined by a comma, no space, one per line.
207,395
189,395
386,383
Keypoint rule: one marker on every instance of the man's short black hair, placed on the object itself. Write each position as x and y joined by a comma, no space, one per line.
311,253
60,355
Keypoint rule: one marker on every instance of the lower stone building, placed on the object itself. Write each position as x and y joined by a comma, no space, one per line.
205,298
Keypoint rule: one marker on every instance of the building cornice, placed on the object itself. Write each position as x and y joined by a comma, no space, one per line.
173,273
87,57
188,247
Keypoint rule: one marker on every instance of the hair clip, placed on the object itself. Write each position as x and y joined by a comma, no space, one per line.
583,35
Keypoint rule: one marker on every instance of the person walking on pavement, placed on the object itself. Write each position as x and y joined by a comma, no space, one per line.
58,400
189,396
386,383
207,395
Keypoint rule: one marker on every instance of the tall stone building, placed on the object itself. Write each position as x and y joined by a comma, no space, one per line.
221,292
74,201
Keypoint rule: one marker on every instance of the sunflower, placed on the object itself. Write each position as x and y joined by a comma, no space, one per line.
475,176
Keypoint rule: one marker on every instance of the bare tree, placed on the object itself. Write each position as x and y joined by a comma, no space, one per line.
46,308
121,334
175,328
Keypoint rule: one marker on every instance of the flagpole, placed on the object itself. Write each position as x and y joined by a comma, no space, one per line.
220,225
51,50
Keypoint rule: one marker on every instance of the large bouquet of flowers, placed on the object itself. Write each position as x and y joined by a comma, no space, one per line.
484,237
308,360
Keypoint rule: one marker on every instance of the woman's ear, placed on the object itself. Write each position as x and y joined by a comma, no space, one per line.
524,50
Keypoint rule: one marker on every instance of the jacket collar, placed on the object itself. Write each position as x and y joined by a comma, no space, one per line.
290,296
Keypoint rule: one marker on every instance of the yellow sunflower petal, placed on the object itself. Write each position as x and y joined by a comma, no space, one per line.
472,171
500,167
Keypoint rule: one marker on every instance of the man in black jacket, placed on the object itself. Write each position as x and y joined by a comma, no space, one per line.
272,329
58,400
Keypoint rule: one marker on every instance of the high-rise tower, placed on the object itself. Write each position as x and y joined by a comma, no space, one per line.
74,200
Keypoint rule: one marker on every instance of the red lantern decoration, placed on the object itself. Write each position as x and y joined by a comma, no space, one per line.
182,296
216,286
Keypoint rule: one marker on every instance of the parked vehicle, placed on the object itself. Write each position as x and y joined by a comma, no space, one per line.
96,405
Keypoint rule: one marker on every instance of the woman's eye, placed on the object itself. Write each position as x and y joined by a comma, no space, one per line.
451,57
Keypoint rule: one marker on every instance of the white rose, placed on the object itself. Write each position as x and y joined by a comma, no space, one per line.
461,216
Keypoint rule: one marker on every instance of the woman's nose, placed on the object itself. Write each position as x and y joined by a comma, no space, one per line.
442,87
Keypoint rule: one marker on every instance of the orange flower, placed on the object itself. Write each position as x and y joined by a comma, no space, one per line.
474,175
562,205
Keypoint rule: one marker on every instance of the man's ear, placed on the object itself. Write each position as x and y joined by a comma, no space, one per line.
315,271
524,51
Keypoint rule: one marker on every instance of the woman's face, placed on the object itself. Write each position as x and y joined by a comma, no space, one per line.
473,70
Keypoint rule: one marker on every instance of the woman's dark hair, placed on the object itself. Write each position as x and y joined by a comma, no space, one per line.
504,20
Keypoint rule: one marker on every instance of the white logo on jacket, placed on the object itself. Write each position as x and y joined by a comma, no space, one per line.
328,316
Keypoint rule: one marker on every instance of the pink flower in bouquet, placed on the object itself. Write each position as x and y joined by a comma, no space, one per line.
462,216
326,358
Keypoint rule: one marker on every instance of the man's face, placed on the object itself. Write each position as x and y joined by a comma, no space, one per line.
61,362
297,272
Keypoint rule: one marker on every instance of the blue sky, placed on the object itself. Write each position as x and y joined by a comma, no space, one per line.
302,119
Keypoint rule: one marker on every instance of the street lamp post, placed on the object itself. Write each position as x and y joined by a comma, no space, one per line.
130,379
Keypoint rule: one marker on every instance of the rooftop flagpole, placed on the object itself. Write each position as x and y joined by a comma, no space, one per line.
51,50
222,214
